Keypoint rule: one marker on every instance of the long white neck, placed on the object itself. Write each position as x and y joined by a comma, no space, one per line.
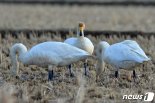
80,33
20,50
100,67
101,47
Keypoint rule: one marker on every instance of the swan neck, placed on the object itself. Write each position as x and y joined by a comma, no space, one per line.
100,67
81,33
104,48
21,56
17,52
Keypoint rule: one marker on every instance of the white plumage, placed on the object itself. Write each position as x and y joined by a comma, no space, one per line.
46,54
123,55
81,42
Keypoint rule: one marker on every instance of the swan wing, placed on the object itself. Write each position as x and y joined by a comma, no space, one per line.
120,52
89,45
55,53
134,46
71,41
83,43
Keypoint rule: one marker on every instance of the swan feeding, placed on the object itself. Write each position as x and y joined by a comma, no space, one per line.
49,54
124,55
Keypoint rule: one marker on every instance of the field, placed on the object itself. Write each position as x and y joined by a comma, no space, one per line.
32,85
117,18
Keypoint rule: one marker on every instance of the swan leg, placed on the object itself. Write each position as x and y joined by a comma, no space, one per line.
70,70
116,74
134,74
135,77
85,68
15,70
115,80
50,73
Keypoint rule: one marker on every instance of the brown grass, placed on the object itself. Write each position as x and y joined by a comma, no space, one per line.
32,86
96,17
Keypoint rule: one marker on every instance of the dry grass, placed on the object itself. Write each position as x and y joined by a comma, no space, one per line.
96,17
32,86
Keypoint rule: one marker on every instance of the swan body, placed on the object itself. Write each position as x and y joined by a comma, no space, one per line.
123,55
126,54
81,42
47,53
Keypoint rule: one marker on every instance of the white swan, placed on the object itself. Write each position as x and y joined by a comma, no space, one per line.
123,55
81,42
46,54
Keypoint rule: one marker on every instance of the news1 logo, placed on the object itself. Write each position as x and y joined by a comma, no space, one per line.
147,97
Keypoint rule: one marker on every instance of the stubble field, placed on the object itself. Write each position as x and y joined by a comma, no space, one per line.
117,18
32,85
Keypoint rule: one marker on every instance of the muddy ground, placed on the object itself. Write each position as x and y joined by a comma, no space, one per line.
32,85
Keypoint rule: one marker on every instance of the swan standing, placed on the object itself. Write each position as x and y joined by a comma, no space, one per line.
49,54
123,55
81,42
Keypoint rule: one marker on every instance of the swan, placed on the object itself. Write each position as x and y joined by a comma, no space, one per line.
124,55
81,42
49,54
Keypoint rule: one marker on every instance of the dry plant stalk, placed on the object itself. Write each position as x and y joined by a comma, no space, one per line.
1,56
81,91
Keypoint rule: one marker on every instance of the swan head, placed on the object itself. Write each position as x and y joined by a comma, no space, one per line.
81,27
17,49
101,48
